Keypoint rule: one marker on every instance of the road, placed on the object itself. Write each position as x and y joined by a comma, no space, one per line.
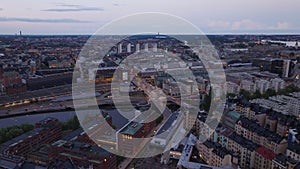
148,89
65,101
47,93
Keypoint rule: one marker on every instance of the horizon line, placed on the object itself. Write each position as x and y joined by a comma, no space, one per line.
87,34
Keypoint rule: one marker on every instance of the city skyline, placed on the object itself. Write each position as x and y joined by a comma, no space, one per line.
152,101
212,17
167,84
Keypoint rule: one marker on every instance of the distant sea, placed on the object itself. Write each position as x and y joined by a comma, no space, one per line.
287,43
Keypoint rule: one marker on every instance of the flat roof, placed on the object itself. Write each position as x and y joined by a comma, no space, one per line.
168,123
88,148
73,135
7,164
234,114
131,128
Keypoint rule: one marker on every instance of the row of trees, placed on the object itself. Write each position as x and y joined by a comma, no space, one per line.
9,133
159,119
71,124
206,104
269,93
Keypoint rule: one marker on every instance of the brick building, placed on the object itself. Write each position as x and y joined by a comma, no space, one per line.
263,158
46,131
11,82
260,135
83,155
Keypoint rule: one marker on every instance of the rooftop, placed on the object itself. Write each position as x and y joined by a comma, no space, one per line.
132,128
217,148
39,127
12,73
294,147
73,135
252,126
62,164
28,165
41,151
243,141
87,148
194,165
168,123
234,115
282,159
10,161
266,153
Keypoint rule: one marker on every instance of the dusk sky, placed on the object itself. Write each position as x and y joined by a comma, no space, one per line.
210,16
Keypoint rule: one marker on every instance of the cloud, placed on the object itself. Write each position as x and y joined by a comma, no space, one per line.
246,24
38,20
1,9
68,5
72,8
219,24
281,26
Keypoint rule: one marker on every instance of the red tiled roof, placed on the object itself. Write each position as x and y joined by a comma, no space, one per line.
266,153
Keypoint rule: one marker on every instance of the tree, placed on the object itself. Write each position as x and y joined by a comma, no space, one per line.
26,127
11,132
72,124
256,95
3,131
207,101
289,89
269,93
159,119
14,133
230,95
120,159
245,93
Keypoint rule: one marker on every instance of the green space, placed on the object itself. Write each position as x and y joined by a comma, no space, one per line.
71,124
159,119
270,92
9,133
